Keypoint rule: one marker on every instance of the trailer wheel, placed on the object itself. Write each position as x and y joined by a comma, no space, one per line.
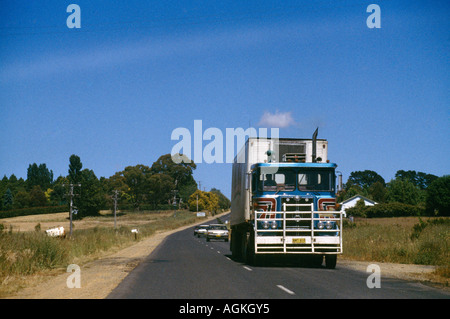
330,261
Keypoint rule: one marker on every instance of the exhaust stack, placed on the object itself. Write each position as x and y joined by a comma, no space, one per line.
314,145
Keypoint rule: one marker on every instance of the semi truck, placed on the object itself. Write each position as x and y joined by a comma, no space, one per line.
284,201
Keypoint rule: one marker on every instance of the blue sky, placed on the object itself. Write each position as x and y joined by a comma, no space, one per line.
113,91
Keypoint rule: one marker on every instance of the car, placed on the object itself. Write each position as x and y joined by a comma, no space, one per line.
200,231
217,231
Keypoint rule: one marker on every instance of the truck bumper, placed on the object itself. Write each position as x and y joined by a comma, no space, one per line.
298,245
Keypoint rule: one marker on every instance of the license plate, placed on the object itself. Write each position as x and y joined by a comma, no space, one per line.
298,240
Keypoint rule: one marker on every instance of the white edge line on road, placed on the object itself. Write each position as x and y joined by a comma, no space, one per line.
249,269
286,290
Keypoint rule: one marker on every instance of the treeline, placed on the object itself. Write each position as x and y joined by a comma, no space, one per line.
410,193
164,185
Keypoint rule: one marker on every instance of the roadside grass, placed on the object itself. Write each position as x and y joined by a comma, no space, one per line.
24,254
407,240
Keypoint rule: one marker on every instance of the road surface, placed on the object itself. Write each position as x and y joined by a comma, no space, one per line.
186,267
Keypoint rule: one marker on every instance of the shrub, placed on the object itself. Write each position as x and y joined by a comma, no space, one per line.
393,210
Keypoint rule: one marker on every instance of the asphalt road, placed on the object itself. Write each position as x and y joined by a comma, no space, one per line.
187,267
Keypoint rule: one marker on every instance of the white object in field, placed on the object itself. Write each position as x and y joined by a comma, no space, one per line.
55,231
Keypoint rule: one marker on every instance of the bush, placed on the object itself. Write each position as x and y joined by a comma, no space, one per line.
393,210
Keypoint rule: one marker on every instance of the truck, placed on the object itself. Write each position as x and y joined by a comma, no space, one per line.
283,201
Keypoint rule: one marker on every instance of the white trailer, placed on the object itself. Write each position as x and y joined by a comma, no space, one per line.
294,215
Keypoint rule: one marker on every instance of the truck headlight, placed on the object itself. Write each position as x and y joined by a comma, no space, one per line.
265,224
320,225
328,225
274,225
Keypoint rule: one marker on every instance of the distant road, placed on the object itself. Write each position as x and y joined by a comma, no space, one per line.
187,267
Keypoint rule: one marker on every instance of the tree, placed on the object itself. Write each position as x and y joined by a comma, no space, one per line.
419,179
7,199
58,195
37,197
161,186
364,179
137,178
90,199
438,197
403,191
39,175
22,199
181,172
212,203
198,199
206,201
377,191
75,167
224,202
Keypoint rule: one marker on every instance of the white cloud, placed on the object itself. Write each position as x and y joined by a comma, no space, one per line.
279,119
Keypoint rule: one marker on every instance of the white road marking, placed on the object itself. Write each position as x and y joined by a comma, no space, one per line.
286,290
249,269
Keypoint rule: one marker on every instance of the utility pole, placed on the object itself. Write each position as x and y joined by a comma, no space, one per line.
71,195
116,192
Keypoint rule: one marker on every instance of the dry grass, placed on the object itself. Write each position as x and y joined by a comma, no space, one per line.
406,240
26,253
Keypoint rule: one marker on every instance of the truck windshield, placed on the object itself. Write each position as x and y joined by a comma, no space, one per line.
315,180
282,180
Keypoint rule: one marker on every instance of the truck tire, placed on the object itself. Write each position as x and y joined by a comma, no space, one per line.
235,244
330,261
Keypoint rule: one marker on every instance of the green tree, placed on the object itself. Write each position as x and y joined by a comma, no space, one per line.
182,173
90,199
377,191
58,195
403,191
161,186
37,197
438,197
137,178
364,179
419,179
22,199
8,199
75,167
39,175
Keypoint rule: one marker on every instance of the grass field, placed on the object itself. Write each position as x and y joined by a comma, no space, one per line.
406,240
26,250
25,253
